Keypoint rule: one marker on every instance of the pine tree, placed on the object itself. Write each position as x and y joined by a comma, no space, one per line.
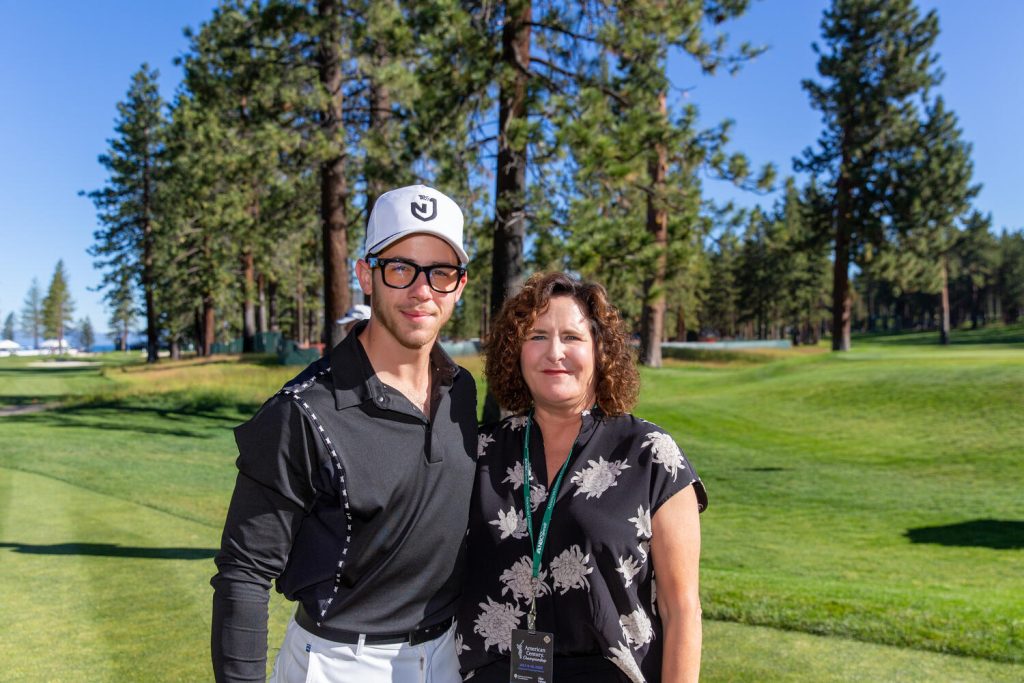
86,335
195,249
120,300
876,59
32,313
720,301
9,327
977,254
933,195
637,158
125,243
58,306
1011,275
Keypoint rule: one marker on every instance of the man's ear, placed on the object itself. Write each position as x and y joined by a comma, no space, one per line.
462,285
365,275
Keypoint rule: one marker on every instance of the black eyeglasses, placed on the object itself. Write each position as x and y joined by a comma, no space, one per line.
400,274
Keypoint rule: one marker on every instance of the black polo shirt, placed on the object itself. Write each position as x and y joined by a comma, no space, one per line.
352,500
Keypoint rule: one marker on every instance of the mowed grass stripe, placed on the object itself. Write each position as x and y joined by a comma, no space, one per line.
872,495
97,588
106,625
738,653
818,504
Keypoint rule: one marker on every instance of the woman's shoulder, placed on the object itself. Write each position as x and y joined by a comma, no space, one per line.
630,427
495,436
513,425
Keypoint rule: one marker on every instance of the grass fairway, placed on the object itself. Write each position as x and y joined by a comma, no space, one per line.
866,518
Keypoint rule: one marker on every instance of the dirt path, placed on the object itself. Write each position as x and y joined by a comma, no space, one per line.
7,411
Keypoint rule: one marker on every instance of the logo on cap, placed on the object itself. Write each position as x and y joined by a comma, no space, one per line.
419,209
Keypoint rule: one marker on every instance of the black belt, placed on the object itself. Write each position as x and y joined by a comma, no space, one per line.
420,635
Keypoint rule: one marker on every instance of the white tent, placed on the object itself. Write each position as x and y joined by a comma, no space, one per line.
8,346
53,345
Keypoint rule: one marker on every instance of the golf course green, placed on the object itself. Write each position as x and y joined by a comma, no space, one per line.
866,517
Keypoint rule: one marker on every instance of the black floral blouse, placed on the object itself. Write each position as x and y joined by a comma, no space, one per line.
595,589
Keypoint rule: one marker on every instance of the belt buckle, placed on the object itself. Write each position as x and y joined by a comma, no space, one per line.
426,633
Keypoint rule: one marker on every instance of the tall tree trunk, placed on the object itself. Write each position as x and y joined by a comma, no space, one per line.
124,335
199,335
311,325
507,264
377,178
248,301
333,185
261,303
944,301
841,302
175,349
974,305
209,324
274,325
299,324
652,318
681,323
510,178
147,275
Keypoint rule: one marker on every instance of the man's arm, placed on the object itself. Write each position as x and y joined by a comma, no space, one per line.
273,492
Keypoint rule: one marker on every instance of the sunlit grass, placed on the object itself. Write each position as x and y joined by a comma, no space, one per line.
872,498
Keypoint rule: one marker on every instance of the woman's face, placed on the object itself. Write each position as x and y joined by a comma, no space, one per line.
557,359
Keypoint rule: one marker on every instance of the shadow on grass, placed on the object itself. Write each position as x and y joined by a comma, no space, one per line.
168,417
16,400
1013,334
112,550
978,533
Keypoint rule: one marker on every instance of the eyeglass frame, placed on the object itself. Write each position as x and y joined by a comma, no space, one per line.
377,262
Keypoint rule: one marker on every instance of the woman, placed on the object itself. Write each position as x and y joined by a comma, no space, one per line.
625,504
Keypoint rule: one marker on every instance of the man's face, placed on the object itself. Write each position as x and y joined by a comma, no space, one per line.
415,315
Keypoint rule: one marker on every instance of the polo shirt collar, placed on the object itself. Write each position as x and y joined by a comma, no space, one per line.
355,380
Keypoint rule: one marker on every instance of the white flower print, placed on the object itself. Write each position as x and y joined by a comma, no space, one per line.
460,647
519,581
495,623
515,476
636,628
482,442
516,423
642,521
569,570
644,548
597,478
628,567
665,451
538,495
511,523
624,660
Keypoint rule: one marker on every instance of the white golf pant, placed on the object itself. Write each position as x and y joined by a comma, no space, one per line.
306,658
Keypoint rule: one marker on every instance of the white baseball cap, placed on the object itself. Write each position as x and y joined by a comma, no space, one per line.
355,314
413,210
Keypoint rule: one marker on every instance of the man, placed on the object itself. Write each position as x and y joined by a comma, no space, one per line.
351,317
354,480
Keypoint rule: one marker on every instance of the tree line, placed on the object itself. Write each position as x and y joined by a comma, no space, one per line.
237,207
50,315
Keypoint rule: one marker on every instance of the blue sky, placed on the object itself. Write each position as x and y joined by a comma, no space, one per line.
65,65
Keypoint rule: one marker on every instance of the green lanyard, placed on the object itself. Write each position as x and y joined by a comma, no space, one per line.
538,545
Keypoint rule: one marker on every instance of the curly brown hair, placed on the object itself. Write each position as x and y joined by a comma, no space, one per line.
618,382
